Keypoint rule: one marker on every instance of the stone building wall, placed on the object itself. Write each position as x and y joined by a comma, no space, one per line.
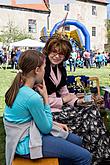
82,12
20,18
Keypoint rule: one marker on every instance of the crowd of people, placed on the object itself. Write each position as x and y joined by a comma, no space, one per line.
49,113
87,59
78,58
9,57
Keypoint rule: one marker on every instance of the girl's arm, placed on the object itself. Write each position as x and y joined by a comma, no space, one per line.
41,113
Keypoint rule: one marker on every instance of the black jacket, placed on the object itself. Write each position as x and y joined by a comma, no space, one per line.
51,87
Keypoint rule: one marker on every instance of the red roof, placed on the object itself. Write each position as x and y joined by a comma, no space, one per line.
30,6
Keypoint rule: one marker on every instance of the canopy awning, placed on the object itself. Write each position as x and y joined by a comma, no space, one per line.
27,43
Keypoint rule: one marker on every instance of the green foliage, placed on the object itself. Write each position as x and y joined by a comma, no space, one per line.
108,30
102,74
107,46
12,34
6,77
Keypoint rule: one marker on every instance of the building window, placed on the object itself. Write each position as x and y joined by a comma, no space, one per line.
67,7
94,11
93,31
67,28
32,26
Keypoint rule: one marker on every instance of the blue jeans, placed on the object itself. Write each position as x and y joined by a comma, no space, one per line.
74,64
68,151
71,65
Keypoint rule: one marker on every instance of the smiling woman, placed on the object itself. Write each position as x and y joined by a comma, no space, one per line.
67,108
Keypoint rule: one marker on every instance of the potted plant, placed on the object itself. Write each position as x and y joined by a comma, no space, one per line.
87,91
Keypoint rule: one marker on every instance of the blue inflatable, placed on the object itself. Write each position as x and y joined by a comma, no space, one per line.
78,25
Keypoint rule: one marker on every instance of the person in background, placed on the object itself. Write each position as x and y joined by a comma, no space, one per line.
18,54
91,57
29,122
74,58
98,59
65,106
13,58
86,56
70,63
1,57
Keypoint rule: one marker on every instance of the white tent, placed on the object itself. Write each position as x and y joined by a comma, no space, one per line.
27,43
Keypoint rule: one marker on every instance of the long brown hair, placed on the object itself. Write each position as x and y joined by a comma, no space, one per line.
62,44
28,61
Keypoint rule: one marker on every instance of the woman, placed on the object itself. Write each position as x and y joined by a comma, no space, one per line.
64,105
28,119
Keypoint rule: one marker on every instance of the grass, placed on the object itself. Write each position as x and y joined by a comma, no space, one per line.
6,77
102,73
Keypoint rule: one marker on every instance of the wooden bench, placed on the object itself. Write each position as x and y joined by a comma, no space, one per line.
44,161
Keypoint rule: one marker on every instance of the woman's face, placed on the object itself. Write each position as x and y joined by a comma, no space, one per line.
55,57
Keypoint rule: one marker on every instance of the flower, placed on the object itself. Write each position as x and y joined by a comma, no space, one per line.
86,86
84,83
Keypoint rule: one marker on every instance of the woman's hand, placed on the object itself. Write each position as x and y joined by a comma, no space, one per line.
80,101
69,97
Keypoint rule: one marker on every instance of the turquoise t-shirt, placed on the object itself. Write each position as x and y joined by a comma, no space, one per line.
28,105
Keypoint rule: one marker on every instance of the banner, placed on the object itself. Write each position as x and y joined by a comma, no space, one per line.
75,35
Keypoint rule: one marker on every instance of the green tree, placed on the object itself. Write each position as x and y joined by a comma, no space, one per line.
108,30
11,33
107,46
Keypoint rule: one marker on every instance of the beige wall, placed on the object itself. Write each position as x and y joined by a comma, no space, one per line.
20,19
82,11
